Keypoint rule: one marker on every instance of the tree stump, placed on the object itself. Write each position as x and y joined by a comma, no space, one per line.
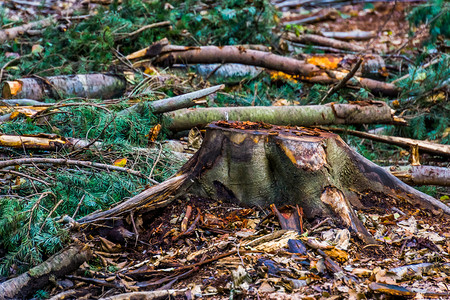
261,164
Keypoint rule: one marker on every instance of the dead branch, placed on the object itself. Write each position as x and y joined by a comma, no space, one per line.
421,175
358,113
350,35
343,81
64,262
154,197
321,40
12,33
121,36
424,146
173,103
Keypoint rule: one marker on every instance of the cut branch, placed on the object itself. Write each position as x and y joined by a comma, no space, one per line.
12,33
321,40
350,35
173,103
424,146
358,113
64,262
99,86
421,175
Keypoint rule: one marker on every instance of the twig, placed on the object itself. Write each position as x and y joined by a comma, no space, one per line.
26,176
50,214
131,34
343,81
78,206
433,62
10,62
156,161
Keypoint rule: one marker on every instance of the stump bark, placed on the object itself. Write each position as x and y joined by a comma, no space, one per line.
261,164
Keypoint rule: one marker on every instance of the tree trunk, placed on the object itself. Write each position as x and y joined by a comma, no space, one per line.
354,113
85,85
58,265
261,164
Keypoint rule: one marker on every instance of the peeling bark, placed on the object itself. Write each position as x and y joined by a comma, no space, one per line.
358,113
64,262
99,86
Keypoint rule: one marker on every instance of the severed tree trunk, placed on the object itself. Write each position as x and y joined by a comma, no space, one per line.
261,164
421,175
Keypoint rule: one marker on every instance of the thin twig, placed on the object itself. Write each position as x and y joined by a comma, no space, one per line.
343,81
50,214
122,36
26,176
62,161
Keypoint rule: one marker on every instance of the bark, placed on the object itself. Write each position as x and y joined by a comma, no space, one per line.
421,175
359,113
350,35
323,41
173,103
64,262
424,146
11,112
12,33
99,86
261,164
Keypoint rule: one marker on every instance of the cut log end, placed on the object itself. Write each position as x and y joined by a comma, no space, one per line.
261,164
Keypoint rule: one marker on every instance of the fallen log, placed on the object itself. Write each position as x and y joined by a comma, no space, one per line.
421,175
167,55
99,86
321,40
37,141
424,146
358,113
60,264
14,32
173,103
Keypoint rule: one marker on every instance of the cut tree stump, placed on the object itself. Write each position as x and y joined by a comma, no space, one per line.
261,164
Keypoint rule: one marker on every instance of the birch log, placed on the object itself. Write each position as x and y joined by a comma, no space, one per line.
100,86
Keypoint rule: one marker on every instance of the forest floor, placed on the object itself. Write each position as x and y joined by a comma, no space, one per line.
214,249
